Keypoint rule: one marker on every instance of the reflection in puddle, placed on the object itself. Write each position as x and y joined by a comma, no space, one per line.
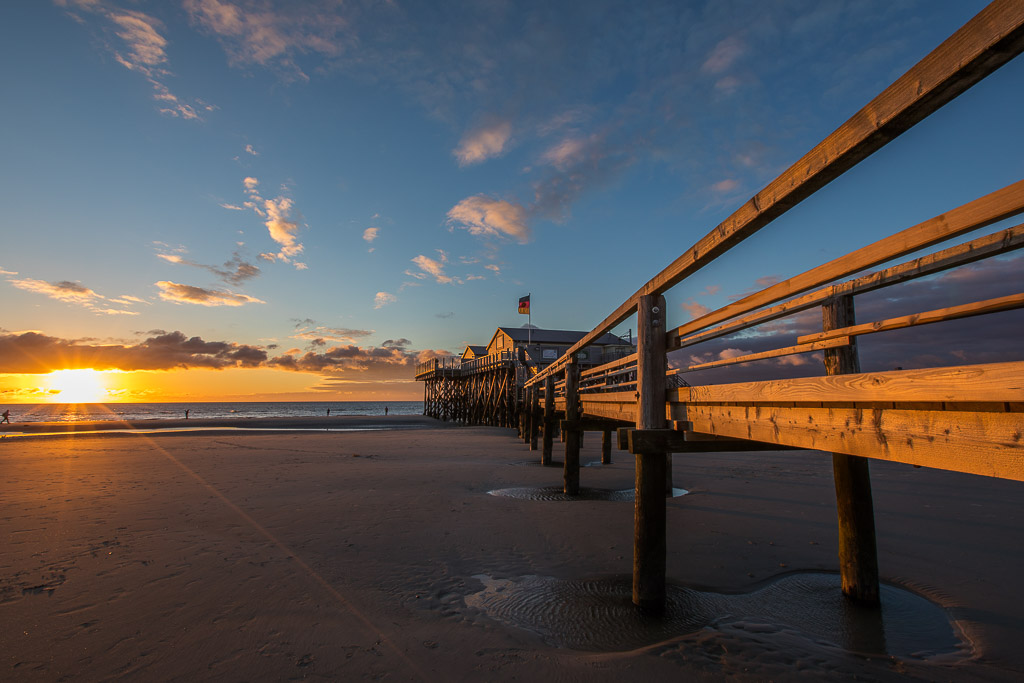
598,614
551,493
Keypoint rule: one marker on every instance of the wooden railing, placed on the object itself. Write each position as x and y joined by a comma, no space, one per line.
964,418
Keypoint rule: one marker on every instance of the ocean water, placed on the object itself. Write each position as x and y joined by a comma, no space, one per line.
76,412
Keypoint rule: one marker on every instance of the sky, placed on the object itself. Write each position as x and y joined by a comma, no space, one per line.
260,200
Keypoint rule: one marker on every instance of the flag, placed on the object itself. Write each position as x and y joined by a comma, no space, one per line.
524,304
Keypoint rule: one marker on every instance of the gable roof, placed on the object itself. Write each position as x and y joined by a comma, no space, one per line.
539,336
475,350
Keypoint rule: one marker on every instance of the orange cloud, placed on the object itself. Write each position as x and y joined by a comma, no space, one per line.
482,215
74,293
178,293
483,143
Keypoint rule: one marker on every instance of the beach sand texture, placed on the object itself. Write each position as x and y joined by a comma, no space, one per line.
381,555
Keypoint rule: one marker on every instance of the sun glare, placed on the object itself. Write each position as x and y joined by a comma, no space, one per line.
78,386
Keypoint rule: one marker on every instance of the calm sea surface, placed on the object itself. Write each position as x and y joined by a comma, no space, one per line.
73,412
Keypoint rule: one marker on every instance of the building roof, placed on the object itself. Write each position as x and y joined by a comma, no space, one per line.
539,336
475,350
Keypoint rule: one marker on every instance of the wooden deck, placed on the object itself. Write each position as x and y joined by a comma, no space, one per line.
967,418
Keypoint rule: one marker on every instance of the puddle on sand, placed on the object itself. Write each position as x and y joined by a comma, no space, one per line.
553,493
598,614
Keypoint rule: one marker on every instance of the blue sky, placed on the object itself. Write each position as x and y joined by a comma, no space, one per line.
324,192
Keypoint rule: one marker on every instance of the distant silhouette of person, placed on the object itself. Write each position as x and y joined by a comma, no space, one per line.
7,417
385,410
328,412
186,413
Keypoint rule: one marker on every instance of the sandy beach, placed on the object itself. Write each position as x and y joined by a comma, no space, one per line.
351,555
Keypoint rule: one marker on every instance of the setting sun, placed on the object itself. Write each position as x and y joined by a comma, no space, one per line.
78,386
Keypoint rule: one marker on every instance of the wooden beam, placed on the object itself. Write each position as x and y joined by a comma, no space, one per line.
1003,382
1003,303
774,353
590,424
994,207
979,47
571,463
997,243
619,406
549,420
655,441
606,446
649,516
613,365
984,443
858,550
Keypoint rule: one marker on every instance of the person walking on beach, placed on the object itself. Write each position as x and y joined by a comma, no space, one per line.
328,412
385,411
7,417
186,413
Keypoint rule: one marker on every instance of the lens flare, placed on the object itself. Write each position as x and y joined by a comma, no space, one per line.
78,386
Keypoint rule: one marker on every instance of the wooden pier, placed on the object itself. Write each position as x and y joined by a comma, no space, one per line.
963,418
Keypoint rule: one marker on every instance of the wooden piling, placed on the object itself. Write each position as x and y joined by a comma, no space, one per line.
649,509
858,553
549,420
571,467
534,410
606,447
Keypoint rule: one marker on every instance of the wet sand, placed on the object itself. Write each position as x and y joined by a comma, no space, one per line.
266,423
380,554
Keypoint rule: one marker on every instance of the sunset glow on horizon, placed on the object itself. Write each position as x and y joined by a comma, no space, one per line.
77,386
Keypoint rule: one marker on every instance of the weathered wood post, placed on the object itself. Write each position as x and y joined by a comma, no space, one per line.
606,447
520,414
534,415
571,467
649,509
858,553
549,420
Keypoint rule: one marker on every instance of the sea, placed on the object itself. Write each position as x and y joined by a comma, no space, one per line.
77,412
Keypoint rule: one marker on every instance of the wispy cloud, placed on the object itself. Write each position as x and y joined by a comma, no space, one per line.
724,55
694,309
483,143
724,186
189,294
319,335
257,33
72,293
235,271
382,299
251,150
432,267
137,43
370,234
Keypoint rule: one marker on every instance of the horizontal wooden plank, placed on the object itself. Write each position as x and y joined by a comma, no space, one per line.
614,406
1003,303
600,369
979,47
775,353
962,383
982,443
996,206
1001,242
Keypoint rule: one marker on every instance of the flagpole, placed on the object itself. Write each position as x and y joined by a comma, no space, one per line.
529,321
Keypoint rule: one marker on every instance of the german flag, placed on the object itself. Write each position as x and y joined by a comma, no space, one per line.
524,304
